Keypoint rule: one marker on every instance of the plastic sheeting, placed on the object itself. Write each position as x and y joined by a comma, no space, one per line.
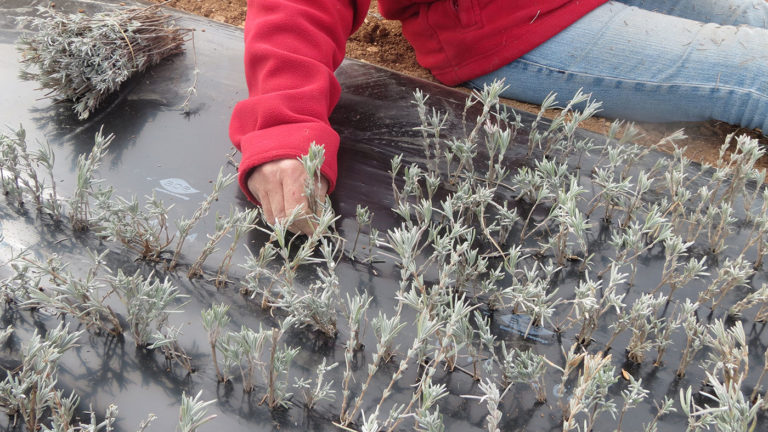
160,150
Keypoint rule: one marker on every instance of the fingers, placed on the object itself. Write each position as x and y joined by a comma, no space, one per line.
293,196
279,186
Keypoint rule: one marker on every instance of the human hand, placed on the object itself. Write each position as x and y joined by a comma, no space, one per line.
279,186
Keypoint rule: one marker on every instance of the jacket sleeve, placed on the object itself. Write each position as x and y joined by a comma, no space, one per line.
292,48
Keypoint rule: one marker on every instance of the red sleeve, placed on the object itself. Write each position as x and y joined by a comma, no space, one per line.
292,48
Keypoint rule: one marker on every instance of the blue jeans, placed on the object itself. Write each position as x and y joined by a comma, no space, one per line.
656,60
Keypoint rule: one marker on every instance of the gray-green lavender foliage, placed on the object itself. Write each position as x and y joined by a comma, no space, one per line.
83,59
20,178
185,225
731,411
261,353
86,181
80,297
149,304
29,392
318,389
142,229
215,320
192,413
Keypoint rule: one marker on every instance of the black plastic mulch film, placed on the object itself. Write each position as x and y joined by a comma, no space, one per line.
158,149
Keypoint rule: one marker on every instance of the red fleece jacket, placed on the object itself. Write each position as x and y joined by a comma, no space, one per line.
293,47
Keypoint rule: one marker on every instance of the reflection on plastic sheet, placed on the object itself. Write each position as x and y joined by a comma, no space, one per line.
15,235
177,187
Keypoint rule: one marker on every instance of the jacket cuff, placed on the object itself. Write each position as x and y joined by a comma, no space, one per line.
288,141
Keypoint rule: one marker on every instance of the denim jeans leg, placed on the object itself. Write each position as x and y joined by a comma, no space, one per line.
725,12
648,66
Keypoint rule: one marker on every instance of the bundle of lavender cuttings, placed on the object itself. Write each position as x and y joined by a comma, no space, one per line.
83,58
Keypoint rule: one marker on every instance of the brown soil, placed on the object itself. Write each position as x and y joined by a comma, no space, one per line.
380,42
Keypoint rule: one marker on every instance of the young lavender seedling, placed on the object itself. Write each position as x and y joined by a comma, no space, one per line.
492,398
257,268
733,411
149,303
666,407
215,320
141,229
244,349
313,162
729,353
277,371
52,206
242,226
80,210
192,413
83,298
732,274
428,420
223,226
426,328
357,307
758,297
316,307
524,367
321,390
696,334
185,225
643,323
12,154
590,395
166,339
386,329
21,166
29,391
675,273
632,395
363,217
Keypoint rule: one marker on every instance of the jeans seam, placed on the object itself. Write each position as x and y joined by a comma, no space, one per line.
645,82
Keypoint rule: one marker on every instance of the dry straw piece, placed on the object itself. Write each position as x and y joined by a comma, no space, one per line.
83,58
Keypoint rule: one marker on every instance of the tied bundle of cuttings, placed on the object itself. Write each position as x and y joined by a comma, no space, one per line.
83,59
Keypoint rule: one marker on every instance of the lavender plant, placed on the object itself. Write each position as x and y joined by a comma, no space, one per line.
223,226
732,412
192,413
29,392
492,398
244,223
19,176
215,320
185,225
141,229
280,359
632,395
319,389
247,348
244,349
590,393
82,298
357,306
316,308
524,367
79,203
696,334
149,304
